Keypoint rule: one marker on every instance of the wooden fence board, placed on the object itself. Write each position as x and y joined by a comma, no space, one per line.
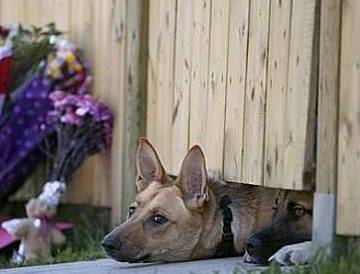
134,105
11,15
182,77
298,93
279,37
162,20
81,29
109,64
216,94
328,98
236,84
348,206
255,92
199,71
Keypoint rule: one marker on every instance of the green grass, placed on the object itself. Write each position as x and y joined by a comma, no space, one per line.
83,242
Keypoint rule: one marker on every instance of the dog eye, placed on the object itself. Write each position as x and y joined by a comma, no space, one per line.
298,211
131,211
158,219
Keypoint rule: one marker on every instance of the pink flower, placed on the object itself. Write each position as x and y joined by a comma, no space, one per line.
70,118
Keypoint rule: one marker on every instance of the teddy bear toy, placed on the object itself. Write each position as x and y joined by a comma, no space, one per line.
38,232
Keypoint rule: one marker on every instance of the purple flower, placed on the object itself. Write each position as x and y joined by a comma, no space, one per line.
83,126
70,118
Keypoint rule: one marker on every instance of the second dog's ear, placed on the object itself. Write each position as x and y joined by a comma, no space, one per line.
193,178
148,165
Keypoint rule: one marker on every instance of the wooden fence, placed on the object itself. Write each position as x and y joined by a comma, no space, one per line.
236,78
269,89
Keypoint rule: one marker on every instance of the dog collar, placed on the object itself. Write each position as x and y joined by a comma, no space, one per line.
226,247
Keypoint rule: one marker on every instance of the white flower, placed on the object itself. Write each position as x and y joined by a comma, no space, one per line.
81,111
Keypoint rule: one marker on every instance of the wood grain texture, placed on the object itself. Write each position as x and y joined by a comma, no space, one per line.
255,97
162,21
328,99
277,84
216,95
134,107
199,71
348,206
236,87
182,83
12,12
298,93
110,69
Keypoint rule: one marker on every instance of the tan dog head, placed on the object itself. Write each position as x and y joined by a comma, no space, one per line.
165,220
292,224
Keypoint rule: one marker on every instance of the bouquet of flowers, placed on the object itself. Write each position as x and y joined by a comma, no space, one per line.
30,46
63,68
83,127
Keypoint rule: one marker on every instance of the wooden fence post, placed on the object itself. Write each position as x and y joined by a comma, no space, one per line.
134,108
327,133
348,187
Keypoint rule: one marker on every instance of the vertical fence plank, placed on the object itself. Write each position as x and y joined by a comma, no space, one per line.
255,96
199,71
327,125
162,20
182,74
42,12
348,206
216,96
235,94
208,79
81,29
11,15
299,92
134,107
279,37
109,62
328,99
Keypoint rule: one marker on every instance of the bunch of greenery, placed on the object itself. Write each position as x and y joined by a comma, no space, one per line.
31,45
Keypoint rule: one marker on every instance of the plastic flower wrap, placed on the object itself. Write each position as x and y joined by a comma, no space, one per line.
83,127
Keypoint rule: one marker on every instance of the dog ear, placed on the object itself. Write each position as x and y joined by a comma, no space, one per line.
193,178
148,165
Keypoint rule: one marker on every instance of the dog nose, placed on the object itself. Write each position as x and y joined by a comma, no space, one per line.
109,243
252,244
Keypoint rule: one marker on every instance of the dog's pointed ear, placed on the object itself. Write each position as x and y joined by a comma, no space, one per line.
148,165
193,178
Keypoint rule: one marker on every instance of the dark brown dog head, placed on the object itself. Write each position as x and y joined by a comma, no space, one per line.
292,224
164,222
